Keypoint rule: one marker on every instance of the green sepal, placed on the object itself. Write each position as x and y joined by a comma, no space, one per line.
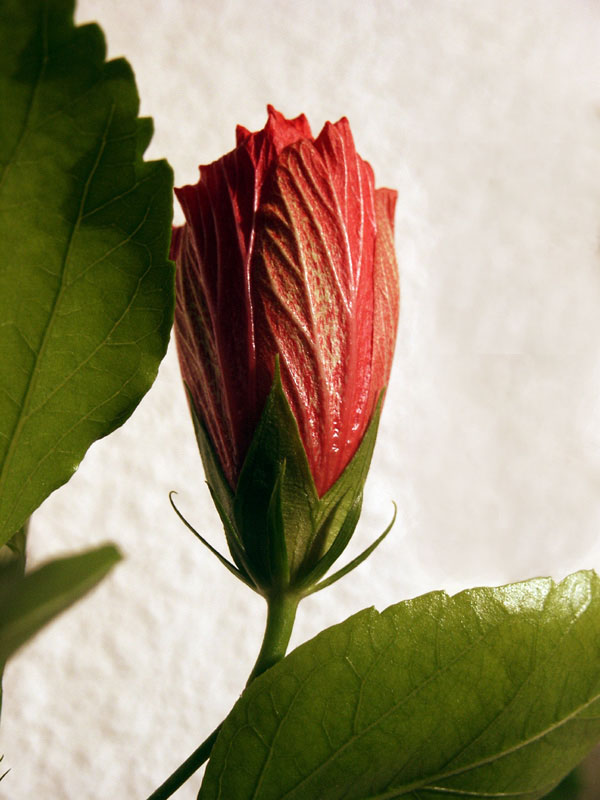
240,574
276,440
221,493
340,542
215,477
279,533
236,548
356,562
278,560
339,512
342,496
222,496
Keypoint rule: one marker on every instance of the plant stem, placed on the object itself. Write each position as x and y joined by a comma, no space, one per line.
281,613
187,769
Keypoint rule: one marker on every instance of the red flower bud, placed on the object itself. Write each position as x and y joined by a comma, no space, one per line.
287,251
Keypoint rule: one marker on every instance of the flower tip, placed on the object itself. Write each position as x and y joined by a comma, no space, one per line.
186,196
388,198
285,131
241,134
335,136
176,232
274,117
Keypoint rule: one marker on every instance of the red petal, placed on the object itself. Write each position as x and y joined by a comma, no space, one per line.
312,280
287,250
387,198
283,132
241,134
387,291
214,315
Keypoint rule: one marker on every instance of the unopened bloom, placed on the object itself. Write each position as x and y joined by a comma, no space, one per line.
287,250
286,257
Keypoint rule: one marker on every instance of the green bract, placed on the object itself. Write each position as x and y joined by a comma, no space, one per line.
86,291
493,693
281,535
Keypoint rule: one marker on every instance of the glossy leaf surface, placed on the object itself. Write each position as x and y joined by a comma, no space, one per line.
493,693
85,286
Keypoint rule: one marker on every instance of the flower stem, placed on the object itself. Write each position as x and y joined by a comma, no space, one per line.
281,613
187,769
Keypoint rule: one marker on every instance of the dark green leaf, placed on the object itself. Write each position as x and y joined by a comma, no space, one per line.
493,693
12,561
45,592
567,789
12,568
86,291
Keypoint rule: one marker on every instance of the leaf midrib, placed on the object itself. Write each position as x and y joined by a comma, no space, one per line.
414,690
425,783
23,413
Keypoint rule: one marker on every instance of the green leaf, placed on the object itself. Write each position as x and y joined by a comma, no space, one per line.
86,290
12,568
12,560
568,789
493,693
45,592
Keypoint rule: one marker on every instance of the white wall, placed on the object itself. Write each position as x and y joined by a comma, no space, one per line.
485,115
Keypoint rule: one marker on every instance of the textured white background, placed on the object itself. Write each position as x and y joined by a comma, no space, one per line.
485,115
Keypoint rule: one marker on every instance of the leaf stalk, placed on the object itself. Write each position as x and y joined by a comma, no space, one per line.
281,614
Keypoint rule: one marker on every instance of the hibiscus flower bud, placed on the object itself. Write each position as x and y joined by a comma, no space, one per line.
286,317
